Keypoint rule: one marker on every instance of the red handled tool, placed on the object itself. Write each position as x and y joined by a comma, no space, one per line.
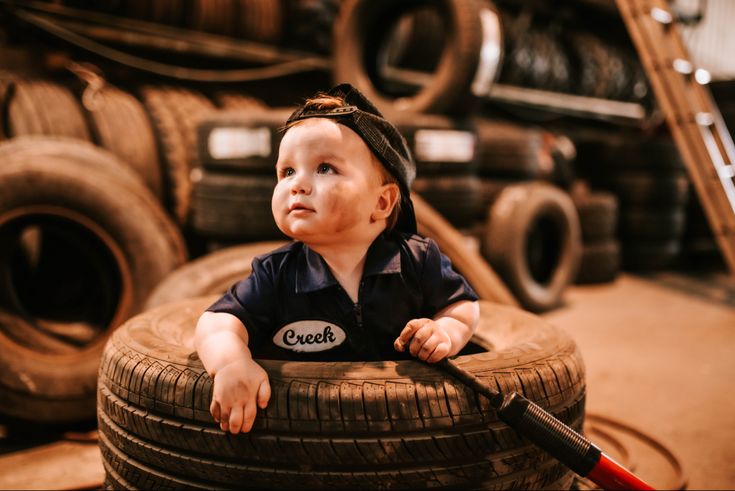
550,434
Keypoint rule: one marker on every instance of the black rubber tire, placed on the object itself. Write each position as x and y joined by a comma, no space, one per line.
309,24
651,224
56,178
362,24
215,16
45,108
261,20
261,126
175,114
598,215
423,134
457,198
650,255
210,274
344,425
232,206
600,262
627,151
6,88
490,189
649,189
533,238
510,150
237,101
120,124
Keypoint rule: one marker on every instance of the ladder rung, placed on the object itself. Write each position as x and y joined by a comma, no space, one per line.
726,172
702,76
661,16
704,119
682,66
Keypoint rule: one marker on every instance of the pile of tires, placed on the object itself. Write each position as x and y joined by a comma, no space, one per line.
598,219
342,425
302,24
83,243
649,180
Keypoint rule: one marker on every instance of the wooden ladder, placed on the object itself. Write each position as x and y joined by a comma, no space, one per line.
695,122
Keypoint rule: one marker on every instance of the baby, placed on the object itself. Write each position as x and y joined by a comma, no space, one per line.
357,283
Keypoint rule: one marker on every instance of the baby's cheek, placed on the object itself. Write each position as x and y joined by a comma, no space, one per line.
347,207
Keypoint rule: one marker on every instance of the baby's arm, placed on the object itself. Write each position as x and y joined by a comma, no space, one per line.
445,335
221,341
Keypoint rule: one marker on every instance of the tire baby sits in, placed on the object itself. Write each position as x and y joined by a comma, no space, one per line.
357,282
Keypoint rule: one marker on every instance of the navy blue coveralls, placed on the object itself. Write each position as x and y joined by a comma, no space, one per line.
294,308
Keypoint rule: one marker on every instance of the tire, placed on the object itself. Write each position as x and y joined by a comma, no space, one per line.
533,238
650,255
211,274
45,108
232,206
309,24
342,425
600,262
649,189
363,24
440,145
509,150
120,124
6,88
106,243
175,114
652,224
238,102
261,20
242,141
598,215
457,198
215,16
628,152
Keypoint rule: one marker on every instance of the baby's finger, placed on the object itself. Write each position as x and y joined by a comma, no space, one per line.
419,338
236,419
441,352
248,417
224,422
428,348
215,410
264,394
407,333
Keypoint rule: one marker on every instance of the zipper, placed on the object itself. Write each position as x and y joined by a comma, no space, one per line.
358,307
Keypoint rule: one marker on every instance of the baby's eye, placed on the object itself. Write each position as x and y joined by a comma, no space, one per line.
325,169
286,172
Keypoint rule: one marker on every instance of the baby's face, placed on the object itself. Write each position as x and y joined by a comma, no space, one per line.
328,183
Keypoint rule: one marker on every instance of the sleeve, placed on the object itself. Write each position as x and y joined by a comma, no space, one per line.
251,300
442,285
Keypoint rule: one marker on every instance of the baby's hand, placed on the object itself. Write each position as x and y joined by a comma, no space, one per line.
429,342
238,387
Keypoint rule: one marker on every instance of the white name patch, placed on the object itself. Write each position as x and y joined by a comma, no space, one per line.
309,336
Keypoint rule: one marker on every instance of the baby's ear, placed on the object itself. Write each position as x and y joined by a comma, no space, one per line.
389,196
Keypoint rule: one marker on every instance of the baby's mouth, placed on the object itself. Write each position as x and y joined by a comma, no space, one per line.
298,207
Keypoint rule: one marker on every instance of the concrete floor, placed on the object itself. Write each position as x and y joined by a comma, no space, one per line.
659,353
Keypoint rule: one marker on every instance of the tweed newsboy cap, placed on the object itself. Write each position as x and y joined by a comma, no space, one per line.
383,139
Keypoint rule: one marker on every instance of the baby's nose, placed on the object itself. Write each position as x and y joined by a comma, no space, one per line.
300,186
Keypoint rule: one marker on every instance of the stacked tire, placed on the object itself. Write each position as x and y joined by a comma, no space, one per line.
232,192
83,243
598,218
649,180
340,425
445,151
